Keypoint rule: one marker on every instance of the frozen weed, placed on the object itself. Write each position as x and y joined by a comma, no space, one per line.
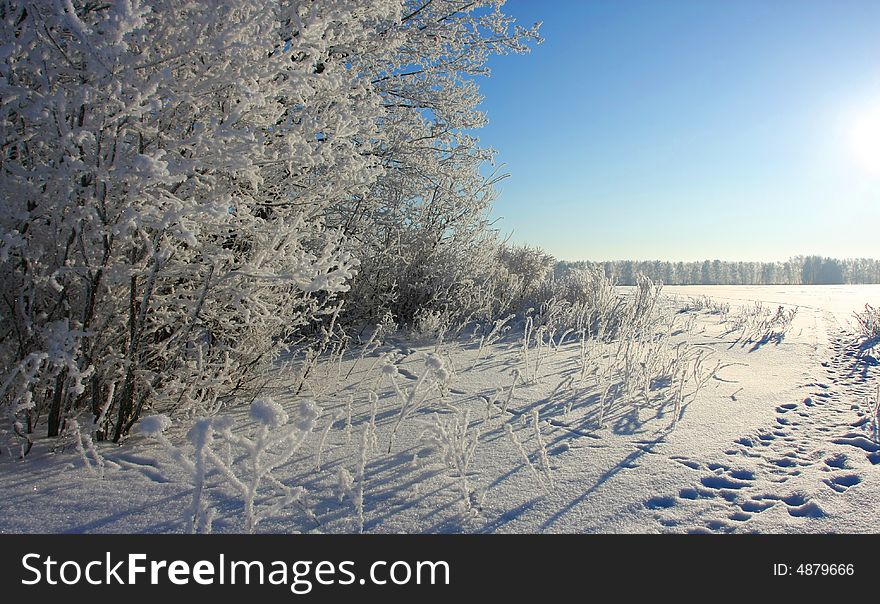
273,440
455,441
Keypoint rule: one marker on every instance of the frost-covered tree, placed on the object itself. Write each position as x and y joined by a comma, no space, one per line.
165,173
421,230
186,188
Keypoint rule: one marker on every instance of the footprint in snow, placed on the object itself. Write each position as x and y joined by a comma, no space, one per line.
660,502
719,526
811,509
756,506
784,462
843,482
694,493
858,440
838,461
693,465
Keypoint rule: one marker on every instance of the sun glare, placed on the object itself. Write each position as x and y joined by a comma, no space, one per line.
864,141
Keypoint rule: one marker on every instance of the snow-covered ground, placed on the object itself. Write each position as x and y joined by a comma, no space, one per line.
778,440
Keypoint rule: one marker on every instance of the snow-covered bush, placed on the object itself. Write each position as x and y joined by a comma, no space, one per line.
164,171
432,382
247,462
432,324
587,300
526,269
498,329
868,322
758,323
422,230
455,441
542,478
707,304
184,190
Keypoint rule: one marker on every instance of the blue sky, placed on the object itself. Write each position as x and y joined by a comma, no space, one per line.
691,129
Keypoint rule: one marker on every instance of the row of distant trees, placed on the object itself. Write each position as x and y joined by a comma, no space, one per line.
800,270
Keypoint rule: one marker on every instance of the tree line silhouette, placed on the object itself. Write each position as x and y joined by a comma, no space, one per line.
799,270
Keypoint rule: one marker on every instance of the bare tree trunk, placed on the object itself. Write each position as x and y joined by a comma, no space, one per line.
56,410
128,414
126,394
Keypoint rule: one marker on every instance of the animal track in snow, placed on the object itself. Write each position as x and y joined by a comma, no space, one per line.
756,505
805,443
857,440
843,482
693,465
660,502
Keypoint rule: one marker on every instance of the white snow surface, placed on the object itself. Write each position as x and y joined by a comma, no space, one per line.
778,442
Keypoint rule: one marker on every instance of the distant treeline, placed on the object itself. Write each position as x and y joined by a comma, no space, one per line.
800,270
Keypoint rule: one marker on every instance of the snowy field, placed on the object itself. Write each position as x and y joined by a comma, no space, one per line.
770,432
